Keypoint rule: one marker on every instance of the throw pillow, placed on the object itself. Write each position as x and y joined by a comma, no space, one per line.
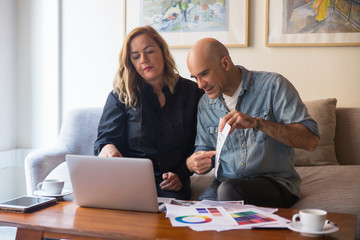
323,112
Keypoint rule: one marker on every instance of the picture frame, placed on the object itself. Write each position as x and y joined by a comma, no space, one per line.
233,13
288,23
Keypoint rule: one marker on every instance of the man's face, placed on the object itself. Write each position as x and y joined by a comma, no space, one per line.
209,74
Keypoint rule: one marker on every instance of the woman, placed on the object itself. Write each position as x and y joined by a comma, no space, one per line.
151,113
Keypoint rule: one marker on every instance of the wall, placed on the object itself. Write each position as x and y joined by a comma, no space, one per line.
316,72
28,93
37,76
7,74
90,58
92,38
10,183
91,45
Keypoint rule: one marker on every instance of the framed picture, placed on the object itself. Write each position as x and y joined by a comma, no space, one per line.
183,22
312,22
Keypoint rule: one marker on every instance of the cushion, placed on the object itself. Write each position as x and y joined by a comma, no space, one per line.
199,183
323,112
332,188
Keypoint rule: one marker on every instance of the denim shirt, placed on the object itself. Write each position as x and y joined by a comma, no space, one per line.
248,153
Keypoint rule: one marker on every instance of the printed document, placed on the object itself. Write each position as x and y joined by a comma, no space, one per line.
219,144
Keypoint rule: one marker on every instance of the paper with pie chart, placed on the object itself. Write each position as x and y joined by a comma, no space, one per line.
206,218
181,216
219,144
210,218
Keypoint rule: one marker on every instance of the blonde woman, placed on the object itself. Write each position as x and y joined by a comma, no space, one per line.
151,113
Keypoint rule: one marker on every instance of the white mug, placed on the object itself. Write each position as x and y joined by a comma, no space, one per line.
51,186
311,219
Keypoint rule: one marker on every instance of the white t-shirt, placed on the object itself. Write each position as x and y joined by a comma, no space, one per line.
230,101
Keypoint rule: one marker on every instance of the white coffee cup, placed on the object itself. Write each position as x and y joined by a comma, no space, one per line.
51,186
311,219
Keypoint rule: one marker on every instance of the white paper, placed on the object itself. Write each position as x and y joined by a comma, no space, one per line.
246,218
207,216
210,217
219,144
227,205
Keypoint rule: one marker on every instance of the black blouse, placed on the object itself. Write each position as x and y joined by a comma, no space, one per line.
165,135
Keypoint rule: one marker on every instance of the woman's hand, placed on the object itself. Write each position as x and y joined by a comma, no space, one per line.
171,182
109,150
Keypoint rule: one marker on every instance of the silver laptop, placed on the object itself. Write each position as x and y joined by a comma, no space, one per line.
114,183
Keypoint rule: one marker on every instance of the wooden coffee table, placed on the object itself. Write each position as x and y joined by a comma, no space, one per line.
67,220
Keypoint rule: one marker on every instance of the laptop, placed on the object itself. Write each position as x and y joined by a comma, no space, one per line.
114,183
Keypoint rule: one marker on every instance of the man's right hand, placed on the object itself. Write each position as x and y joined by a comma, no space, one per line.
200,162
109,150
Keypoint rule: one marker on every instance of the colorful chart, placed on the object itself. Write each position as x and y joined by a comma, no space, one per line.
213,211
193,219
250,217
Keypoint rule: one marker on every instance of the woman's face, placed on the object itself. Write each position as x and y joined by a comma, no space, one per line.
147,58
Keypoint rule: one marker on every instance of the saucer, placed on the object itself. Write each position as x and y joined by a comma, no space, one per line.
297,227
44,194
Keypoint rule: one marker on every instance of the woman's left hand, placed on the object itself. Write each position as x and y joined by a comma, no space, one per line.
171,182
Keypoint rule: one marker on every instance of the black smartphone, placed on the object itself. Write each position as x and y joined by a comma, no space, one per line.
26,203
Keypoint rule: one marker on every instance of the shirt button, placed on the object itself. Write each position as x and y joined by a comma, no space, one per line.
242,164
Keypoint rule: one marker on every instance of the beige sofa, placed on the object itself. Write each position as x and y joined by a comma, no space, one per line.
330,175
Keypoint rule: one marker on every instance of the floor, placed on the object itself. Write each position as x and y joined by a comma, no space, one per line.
7,233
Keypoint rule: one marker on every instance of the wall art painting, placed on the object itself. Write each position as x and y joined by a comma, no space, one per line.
312,22
183,22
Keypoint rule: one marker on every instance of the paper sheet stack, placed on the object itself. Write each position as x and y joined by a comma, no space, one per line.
220,216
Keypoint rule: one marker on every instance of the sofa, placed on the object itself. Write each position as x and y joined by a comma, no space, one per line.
330,175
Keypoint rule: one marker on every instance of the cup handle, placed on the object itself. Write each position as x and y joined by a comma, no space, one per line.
330,222
39,186
296,217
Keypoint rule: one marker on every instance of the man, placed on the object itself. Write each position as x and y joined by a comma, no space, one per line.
267,119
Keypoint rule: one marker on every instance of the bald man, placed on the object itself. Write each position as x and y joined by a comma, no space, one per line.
268,120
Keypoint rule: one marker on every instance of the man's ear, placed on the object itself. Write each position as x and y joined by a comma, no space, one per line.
226,63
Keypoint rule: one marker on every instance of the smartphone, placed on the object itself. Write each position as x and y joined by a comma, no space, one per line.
26,203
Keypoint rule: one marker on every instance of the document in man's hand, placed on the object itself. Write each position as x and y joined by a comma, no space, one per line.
219,144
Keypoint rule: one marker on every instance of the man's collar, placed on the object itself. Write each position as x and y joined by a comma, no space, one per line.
247,79
247,84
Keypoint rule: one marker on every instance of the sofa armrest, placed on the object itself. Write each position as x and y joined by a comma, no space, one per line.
77,136
39,164
347,138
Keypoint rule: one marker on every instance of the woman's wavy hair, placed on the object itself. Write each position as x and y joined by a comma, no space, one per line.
128,82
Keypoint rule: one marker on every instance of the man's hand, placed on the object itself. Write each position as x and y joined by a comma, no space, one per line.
200,162
171,182
237,119
294,135
109,150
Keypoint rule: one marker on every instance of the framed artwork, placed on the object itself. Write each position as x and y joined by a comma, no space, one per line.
183,22
312,23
